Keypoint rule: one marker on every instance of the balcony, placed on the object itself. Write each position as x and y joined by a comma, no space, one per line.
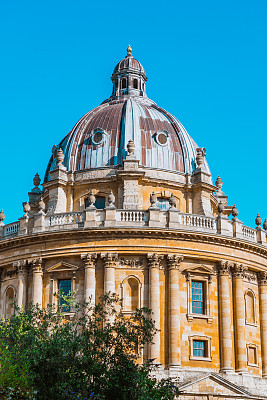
146,219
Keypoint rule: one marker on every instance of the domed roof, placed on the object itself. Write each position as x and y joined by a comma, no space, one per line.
129,63
100,137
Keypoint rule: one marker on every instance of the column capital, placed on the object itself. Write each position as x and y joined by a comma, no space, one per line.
224,267
262,278
174,260
110,259
238,271
89,260
37,265
20,266
154,260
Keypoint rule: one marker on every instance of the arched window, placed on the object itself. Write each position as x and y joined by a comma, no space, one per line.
9,298
131,287
135,84
250,307
123,83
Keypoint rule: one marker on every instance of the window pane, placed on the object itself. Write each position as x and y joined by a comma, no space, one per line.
100,202
199,347
197,297
64,285
162,203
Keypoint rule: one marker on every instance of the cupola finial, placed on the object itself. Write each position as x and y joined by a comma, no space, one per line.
129,51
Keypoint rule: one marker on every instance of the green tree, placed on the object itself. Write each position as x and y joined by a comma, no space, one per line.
93,355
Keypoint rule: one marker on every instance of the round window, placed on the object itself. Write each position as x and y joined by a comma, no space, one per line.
98,136
162,137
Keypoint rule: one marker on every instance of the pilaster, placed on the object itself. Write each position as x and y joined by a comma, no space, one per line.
173,263
239,319
89,261
225,317
262,279
154,262
22,277
37,281
110,263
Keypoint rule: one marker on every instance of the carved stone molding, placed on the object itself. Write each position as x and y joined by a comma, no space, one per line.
224,267
37,265
21,267
154,260
89,260
239,271
174,260
250,276
262,278
9,273
110,259
132,263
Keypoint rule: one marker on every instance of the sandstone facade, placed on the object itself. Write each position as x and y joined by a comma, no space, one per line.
160,237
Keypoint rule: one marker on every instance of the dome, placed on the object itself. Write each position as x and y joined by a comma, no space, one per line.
100,137
129,63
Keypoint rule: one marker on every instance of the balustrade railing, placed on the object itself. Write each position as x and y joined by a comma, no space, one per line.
133,218
249,233
197,221
64,219
11,229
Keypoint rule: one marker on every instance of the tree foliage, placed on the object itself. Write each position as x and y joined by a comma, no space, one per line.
93,355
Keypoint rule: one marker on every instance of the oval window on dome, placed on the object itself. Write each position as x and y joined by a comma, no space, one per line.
98,136
161,137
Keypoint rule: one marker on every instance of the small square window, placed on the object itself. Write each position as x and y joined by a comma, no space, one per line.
198,297
199,348
64,285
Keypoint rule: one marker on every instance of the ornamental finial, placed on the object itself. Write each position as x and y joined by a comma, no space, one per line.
129,51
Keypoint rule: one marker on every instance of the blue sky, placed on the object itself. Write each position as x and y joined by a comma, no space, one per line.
206,63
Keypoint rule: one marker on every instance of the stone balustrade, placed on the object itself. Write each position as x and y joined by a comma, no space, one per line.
11,229
130,218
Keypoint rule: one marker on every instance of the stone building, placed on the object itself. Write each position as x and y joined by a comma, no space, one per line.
128,205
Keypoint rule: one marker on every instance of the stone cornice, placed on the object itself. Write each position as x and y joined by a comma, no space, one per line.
48,237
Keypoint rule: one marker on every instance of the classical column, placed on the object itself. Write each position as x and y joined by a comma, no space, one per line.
225,317
110,263
154,302
37,281
239,319
263,320
173,262
21,296
89,261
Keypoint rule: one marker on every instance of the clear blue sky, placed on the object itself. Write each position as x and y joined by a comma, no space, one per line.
206,63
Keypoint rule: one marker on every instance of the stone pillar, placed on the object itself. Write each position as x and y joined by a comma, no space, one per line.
37,282
239,319
173,262
263,320
110,263
21,296
225,317
89,261
154,302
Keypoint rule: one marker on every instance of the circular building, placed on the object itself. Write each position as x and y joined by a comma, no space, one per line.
128,205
